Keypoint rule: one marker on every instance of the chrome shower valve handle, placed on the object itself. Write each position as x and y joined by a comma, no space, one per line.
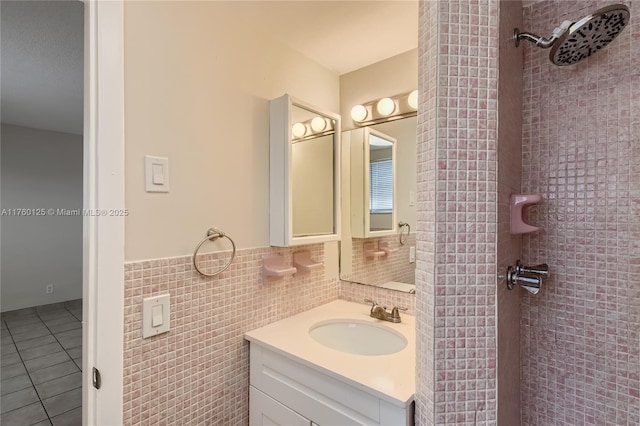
542,270
528,277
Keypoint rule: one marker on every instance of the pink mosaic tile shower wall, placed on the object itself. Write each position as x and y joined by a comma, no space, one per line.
509,246
458,141
198,372
425,233
581,150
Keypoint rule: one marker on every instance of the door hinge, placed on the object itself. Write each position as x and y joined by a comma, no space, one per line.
97,380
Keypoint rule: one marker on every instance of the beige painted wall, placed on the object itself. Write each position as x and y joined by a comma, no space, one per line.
197,85
41,169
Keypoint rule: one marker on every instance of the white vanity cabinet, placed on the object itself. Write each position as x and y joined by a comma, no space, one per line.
286,392
266,411
296,380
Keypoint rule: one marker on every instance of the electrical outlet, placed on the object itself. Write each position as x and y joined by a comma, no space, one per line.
50,289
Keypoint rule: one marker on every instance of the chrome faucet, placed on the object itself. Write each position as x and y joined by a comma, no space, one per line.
381,313
528,277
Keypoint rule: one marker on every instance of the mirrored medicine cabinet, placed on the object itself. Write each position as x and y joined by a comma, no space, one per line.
304,182
373,193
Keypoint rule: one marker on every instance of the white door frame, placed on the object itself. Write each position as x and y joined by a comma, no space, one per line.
103,188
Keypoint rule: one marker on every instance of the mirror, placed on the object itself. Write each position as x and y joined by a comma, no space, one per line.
372,201
386,259
312,168
304,174
381,181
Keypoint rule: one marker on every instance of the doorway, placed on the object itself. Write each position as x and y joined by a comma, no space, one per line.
102,238
41,197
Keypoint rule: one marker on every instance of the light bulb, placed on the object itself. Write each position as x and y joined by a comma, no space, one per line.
413,99
386,106
359,113
298,130
318,124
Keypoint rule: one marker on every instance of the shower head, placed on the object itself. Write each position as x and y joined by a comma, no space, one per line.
590,34
572,42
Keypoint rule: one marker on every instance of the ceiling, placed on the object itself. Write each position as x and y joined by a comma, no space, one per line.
342,36
42,47
42,64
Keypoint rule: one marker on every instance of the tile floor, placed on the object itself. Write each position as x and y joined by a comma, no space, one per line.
41,365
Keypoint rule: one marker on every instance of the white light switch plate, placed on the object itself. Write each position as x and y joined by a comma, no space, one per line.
156,174
155,315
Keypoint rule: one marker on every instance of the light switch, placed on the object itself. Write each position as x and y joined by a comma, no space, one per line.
155,315
156,174
412,198
412,254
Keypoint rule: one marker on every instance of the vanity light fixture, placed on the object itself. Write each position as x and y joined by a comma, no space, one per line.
359,113
412,100
386,106
385,109
298,130
317,126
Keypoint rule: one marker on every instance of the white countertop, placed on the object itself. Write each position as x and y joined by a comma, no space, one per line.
389,377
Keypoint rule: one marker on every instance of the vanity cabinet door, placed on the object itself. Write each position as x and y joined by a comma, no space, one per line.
266,411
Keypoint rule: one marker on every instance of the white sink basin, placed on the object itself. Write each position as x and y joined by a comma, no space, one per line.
358,337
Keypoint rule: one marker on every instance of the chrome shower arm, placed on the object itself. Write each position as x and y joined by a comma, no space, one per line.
543,42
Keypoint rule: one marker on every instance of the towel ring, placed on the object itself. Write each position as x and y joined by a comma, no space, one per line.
212,235
402,225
